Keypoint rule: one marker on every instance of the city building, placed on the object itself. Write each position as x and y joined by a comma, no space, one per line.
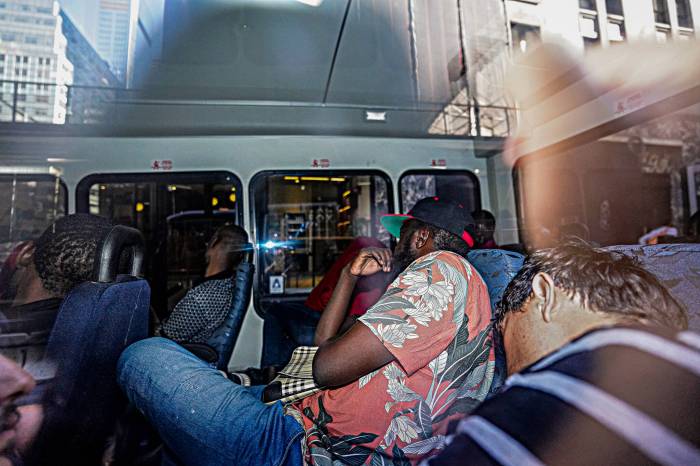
588,23
34,67
146,42
91,74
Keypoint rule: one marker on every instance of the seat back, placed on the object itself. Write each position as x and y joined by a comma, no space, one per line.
677,266
223,340
95,323
497,267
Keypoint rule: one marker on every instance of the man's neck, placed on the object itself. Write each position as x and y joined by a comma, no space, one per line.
214,268
32,292
557,337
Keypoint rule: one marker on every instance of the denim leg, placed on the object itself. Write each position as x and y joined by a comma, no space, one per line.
203,418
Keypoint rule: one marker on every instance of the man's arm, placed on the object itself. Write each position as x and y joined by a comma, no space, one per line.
352,355
368,262
332,366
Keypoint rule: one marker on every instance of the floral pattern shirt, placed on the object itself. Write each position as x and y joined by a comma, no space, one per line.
435,319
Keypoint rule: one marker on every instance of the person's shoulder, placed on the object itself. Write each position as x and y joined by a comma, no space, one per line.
449,257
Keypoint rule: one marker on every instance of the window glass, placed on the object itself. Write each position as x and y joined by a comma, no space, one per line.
177,215
459,186
28,204
587,4
685,19
661,11
304,222
614,7
524,36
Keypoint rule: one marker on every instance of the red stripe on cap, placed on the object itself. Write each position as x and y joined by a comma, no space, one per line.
468,239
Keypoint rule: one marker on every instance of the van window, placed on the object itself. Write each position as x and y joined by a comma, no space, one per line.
177,214
458,185
28,204
304,221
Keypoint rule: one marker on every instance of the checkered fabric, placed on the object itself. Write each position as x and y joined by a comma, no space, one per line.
296,378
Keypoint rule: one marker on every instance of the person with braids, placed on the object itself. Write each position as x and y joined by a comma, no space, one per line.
601,369
48,268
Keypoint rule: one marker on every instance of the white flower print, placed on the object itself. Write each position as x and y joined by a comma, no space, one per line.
396,334
405,428
392,371
400,392
420,313
434,297
438,297
417,283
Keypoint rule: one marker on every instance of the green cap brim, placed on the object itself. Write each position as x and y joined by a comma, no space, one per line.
393,222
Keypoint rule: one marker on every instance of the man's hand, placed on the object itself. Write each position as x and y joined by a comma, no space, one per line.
370,261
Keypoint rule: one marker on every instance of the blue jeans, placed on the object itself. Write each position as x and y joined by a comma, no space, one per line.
203,418
287,326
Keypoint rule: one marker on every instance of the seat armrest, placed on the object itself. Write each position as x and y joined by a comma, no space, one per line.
202,351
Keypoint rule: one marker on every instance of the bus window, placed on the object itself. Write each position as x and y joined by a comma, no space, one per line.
177,214
304,221
611,191
28,204
459,185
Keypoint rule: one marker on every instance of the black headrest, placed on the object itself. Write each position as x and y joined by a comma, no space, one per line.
120,242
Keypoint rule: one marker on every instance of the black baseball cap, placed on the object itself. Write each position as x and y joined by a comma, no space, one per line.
444,214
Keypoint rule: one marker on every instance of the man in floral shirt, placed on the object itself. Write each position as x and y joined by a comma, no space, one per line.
419,358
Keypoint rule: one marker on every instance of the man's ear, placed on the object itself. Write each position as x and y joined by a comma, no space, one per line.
25,256
545,291
421,237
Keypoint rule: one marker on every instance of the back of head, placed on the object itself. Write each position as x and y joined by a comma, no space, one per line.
65,252
605,282
231,240
484,216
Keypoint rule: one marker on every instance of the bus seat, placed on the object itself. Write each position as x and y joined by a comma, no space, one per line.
497,267
678,267
96,322
219,347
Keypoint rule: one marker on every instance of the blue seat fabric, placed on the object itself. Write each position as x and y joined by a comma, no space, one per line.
95,323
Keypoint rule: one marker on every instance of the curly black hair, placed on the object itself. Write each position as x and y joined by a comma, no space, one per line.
65,251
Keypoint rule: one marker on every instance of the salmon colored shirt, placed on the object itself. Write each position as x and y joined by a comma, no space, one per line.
435,320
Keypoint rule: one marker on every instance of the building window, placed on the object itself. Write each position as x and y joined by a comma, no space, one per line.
458,185
25,59
2,57
614,7
590,32
524,36
587,5
616,30
685,19
661,12
48,61
18,59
